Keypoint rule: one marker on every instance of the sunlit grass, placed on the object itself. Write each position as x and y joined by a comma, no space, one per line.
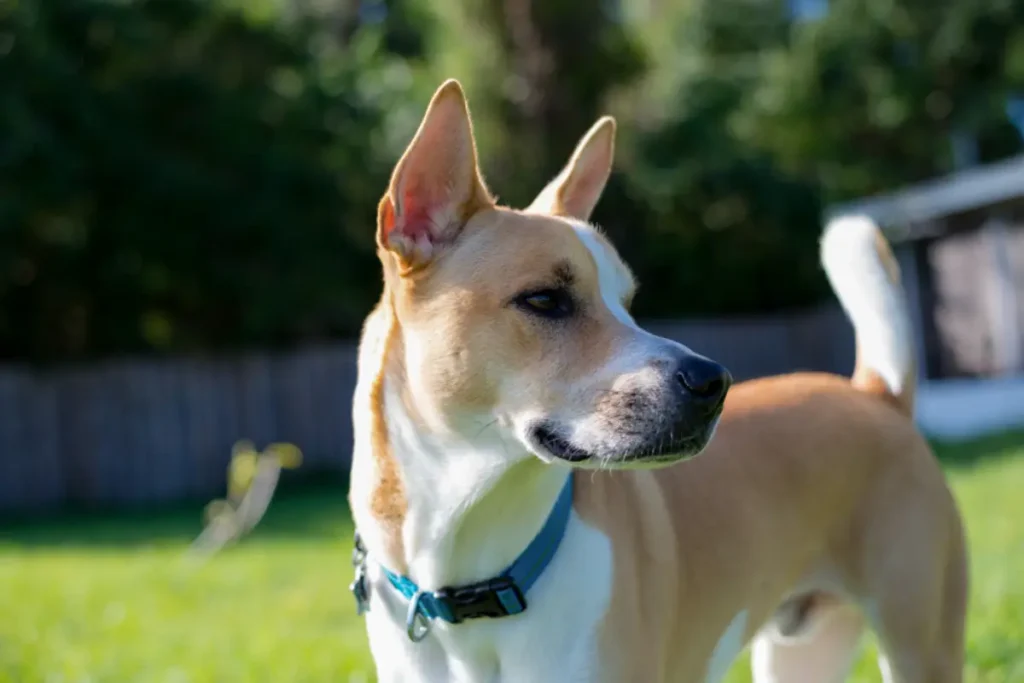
112,600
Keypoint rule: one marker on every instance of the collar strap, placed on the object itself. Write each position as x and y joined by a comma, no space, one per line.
501,596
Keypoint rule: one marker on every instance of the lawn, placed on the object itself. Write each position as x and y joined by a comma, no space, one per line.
90,599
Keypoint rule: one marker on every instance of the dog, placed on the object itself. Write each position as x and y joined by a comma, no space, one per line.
524,487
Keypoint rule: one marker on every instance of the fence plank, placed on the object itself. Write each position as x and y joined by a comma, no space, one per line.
46,481
30,472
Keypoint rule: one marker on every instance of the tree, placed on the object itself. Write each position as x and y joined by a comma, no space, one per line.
726,230
538,75
871,95
178,177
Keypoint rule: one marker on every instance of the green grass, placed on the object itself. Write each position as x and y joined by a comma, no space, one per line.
90,599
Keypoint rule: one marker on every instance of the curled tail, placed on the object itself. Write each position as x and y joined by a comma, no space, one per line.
865,276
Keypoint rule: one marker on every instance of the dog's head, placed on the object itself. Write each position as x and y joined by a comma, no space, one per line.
519,320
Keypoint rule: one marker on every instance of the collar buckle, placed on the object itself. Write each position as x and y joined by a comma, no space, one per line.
498,597
501,596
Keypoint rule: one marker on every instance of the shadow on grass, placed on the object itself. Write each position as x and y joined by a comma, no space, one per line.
964,455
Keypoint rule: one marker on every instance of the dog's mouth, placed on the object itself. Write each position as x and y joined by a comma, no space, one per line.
558,446
662,451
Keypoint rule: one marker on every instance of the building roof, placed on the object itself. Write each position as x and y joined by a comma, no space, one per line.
902,213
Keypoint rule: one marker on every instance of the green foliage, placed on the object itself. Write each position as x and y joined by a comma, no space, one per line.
192,175
771,116
727,231
175,176
538,75
867,97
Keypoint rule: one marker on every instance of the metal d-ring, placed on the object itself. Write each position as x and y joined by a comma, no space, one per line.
417,626
360,591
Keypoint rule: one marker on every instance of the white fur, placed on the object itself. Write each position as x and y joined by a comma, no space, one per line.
875,305
613,278
824,653
449,475
633,362
476,495
447,543
364,465
728,648
550,642
886,669
447,540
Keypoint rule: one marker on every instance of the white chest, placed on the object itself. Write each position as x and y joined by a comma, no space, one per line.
555,640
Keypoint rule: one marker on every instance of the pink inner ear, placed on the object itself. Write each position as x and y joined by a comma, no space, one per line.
415,223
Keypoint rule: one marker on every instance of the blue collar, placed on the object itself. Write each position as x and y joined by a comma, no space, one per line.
501,596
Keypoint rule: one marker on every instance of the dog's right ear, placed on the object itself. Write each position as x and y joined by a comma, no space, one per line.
436,186
574,192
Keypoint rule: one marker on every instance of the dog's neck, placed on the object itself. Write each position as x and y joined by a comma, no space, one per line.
472,498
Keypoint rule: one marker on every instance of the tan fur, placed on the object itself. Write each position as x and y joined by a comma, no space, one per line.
806,476
455,298
575,191
811,487
388,498
444,140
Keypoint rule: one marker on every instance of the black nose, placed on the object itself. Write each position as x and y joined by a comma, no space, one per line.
704,379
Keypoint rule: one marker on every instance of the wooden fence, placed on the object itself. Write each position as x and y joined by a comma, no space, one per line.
132,432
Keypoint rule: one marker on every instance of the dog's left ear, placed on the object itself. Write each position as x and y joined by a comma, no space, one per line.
436,186
574,192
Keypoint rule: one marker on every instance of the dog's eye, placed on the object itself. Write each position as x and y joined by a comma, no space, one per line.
547,303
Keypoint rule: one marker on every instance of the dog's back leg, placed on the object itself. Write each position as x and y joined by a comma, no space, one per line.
822,650
921,654
923,640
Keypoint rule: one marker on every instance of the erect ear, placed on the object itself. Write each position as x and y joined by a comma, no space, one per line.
574,192
436,186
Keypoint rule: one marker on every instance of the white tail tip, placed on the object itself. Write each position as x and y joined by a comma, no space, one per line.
865,277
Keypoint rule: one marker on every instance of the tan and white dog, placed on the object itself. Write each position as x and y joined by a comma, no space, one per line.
502,360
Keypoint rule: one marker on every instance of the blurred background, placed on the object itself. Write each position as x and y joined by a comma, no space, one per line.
187,205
